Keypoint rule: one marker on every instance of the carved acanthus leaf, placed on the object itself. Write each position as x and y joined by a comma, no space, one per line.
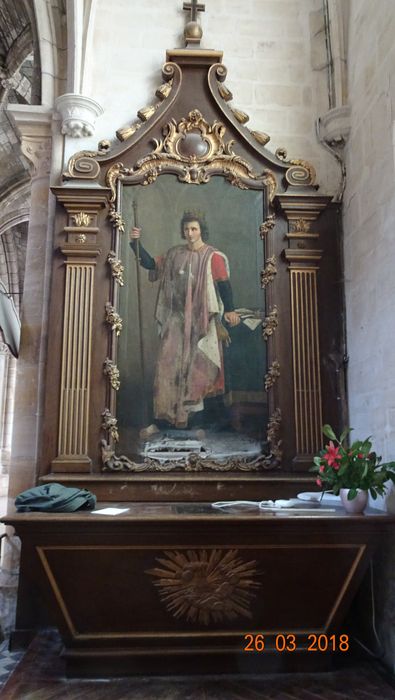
82,219
300,225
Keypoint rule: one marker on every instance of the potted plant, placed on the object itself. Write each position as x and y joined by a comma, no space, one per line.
352,471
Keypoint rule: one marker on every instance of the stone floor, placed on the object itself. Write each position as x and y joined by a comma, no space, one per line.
39,675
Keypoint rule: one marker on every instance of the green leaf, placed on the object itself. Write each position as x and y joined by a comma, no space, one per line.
327,430
317,461
352,494
345,433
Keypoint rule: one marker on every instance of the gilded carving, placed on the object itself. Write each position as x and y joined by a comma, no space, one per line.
117,269
270,323
110,424
116,219
113,318
112,372
267,225
194,150
261,137
269,272
127,131
164,90
300,172
241,117
206,586
194,463
272,375
146,112
225,93
84,164
82,219
273,435
300,225
115,172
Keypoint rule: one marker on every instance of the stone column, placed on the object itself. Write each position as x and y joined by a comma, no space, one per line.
33,125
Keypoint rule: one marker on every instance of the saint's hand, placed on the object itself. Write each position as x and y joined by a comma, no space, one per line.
134,233
232,317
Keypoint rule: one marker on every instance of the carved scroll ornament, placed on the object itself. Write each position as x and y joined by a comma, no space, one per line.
194,150
193,463
300,172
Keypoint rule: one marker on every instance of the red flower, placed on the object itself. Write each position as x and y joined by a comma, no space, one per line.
332,455
360,455
318,482
322,468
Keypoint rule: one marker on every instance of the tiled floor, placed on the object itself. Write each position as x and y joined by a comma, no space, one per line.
8,661
40,676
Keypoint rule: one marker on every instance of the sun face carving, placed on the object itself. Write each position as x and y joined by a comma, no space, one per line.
206,585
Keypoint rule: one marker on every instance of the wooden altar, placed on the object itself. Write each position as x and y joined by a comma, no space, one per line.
185,588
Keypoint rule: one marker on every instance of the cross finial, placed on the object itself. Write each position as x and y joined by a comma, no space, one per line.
193,31
194,6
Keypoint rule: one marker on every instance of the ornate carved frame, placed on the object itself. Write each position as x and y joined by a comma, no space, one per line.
187,127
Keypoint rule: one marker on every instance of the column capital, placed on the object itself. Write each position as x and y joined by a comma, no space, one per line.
33,124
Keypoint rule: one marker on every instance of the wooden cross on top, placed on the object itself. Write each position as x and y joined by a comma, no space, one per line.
194,6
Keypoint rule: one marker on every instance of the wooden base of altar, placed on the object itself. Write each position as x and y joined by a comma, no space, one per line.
185,588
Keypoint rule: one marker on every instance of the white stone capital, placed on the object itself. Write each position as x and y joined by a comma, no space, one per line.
33,124
79,114
334,126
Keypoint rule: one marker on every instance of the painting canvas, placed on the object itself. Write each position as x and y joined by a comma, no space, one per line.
183,388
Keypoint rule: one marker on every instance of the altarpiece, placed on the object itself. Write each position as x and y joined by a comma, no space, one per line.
172,582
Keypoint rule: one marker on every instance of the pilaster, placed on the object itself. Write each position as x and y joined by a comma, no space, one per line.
80,251
303,255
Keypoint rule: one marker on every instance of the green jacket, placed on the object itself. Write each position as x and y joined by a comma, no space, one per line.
55,498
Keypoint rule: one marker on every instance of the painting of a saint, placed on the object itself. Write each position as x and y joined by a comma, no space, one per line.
194,308
191,356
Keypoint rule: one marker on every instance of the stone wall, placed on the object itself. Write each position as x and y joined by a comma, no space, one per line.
369,220
274,51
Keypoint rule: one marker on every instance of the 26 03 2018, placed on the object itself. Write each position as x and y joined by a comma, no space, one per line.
320,643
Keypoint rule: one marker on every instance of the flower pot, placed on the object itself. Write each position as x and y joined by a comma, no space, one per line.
357,504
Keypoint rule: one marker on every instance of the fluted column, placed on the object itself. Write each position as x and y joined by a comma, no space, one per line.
303,256
80,251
